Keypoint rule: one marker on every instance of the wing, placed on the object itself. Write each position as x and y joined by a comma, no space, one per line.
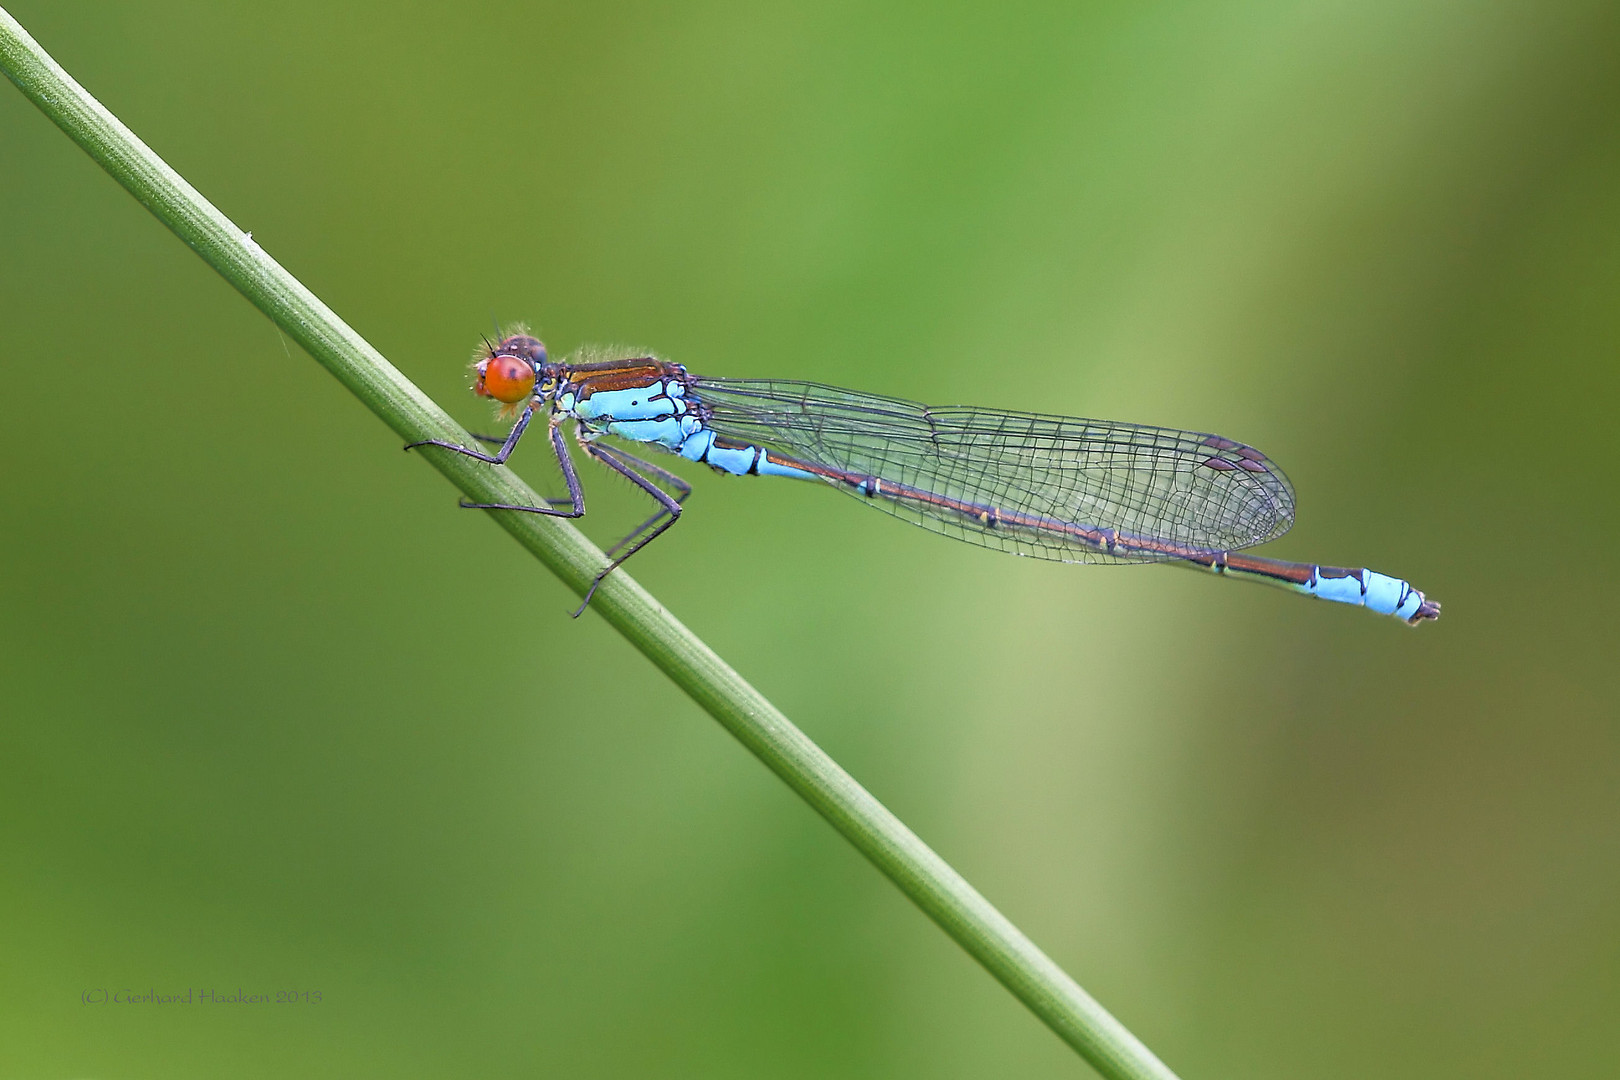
1168,492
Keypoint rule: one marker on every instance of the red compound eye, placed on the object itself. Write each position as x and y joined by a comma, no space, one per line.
504,378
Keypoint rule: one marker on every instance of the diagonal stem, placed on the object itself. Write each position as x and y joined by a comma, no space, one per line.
921,874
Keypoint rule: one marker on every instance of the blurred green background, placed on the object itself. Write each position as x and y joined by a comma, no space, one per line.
277,716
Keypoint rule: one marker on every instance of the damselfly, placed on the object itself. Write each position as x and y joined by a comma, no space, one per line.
1051,487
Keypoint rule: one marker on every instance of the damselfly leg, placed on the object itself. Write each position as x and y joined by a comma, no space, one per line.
644,474
494,440
633,469
507,445
576,492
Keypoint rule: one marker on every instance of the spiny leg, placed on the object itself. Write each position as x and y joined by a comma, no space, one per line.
627,465
501,455
682,490
500,440
576,493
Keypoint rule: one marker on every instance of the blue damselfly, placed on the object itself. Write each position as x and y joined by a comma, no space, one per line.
1051,487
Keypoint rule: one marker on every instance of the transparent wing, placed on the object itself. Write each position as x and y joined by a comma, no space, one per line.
1178,491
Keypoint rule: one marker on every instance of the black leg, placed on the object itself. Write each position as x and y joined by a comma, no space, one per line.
576,493
500,455
500,440
682,490
628,466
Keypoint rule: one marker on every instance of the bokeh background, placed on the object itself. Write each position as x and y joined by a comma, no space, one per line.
277,716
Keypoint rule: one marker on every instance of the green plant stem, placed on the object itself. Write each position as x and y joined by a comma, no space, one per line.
921,874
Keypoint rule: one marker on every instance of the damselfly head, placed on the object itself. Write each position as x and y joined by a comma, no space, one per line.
505,378
506,371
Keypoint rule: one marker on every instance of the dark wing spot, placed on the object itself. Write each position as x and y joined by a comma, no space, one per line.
1219,465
